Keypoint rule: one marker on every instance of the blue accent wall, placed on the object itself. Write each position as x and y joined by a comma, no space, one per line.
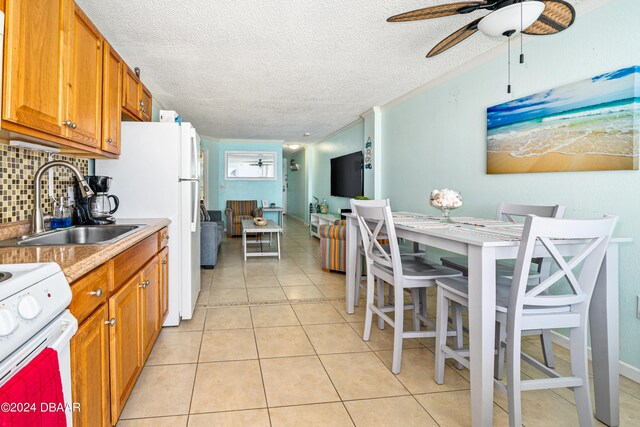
437,139
347,141
250,189
220,190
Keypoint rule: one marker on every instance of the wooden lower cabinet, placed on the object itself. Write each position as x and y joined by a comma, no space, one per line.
150,306
125,343
90,370
120,306
163,256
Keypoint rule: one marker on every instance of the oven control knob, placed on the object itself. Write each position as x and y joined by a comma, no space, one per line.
28,307
8,323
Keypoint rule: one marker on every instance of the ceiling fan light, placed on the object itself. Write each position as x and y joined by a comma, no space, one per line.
511,18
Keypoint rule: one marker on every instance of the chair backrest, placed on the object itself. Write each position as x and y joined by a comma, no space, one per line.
512,212
596,234
242,207
375,218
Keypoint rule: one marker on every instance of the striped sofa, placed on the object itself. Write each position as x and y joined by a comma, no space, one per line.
333,245
236,211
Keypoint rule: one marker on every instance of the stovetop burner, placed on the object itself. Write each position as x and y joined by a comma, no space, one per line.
5,276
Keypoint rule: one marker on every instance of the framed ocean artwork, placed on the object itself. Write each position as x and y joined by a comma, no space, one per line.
585,126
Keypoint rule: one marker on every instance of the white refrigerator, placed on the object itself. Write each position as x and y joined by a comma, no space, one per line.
156,176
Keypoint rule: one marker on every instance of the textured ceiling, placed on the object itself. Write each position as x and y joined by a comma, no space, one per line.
275,69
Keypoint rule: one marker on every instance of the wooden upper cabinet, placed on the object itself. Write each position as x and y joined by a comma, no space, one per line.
90,371
35,86
130,92
111,99
145,103
85,83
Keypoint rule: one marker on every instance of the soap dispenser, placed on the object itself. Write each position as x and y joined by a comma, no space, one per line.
61,215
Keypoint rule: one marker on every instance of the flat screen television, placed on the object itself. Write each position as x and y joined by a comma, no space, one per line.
347,175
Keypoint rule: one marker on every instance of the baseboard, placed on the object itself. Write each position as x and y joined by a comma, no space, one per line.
290,216
626,370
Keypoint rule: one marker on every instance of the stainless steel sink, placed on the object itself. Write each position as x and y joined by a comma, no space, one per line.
79,235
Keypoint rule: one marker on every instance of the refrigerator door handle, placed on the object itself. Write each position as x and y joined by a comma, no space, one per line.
195,155
195,213
188,180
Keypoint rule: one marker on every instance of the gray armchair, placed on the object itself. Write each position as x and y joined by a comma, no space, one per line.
210,237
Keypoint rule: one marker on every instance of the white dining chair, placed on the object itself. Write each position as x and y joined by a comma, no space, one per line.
539,269
521,307
385,264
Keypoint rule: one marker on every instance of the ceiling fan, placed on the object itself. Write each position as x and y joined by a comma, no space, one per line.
505,18
261,163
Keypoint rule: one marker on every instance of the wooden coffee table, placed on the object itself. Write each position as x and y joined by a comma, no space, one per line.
249,227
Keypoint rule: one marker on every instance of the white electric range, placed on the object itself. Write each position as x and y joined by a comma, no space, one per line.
34,316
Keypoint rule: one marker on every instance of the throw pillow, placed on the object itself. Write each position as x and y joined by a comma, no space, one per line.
204,214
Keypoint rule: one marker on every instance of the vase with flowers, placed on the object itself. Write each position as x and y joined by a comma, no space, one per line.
446,200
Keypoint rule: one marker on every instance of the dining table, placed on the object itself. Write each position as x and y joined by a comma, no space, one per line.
485,241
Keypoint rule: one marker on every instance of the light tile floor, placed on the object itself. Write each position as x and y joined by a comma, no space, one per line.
271,345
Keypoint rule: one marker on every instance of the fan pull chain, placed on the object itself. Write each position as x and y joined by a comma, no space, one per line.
521,30
509,63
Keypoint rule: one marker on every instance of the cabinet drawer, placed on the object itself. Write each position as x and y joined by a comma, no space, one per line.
90,291
129,262
163,238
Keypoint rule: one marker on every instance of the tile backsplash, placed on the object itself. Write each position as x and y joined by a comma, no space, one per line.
17,169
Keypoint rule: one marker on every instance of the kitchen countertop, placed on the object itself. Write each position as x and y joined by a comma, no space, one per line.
78,260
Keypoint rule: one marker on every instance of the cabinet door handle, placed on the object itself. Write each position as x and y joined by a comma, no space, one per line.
73,125
164,262
97,293
144,284
67,123
167,237
111,322
109,140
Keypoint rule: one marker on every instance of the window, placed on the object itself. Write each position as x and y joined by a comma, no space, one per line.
250,165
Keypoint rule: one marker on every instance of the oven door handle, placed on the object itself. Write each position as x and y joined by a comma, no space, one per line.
70,326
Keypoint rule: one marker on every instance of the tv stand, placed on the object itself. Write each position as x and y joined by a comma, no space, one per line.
318,219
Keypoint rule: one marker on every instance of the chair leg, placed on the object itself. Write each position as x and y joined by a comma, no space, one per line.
547,348
415,297
368,317
423,304
441,335
398,329
358,279
380,287
514,391
580,369
501,335
456,316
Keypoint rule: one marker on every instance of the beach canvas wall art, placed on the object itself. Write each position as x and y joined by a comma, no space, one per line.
590,125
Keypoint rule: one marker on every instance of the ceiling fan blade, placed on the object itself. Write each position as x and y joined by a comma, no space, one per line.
455,38
438,11
558,15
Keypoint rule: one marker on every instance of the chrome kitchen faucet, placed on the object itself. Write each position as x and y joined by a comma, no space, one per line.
37,220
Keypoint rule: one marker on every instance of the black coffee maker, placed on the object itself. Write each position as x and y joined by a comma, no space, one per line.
84,214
